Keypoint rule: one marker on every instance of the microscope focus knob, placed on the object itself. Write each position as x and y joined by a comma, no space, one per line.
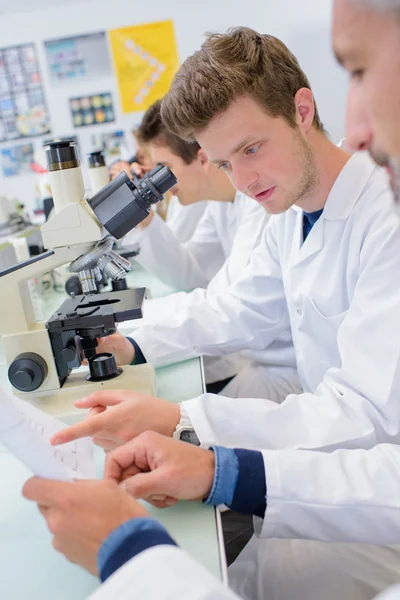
27,372
103,367
24,378
68,354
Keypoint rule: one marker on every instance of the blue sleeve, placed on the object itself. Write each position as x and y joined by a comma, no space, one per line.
225,478
128,540
239,481
139,356
250,495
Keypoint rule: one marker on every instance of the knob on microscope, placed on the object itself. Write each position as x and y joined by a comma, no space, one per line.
103,367
27,372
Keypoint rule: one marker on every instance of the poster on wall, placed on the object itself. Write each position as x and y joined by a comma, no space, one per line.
23,110
113,144
145,59
92,110
17,160
72,58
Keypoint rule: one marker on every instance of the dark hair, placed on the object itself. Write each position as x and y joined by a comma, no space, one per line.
152,129
240,62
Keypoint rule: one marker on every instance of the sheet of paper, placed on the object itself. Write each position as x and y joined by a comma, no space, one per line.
26,431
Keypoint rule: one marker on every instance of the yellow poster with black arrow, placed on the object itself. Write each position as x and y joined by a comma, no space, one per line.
145,60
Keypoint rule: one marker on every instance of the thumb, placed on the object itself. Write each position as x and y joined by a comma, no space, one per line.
146,485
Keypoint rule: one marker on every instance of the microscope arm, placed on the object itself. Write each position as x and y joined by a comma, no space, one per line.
16,308
20,331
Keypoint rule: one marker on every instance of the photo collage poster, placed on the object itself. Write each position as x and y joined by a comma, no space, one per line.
23,109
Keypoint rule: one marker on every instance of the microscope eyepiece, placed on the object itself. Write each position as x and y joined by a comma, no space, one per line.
121,205
96,159
162,178
62,155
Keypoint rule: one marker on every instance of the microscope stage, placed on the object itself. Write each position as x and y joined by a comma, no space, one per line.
103,310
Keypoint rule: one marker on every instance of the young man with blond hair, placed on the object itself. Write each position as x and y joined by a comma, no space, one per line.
347,355
212,259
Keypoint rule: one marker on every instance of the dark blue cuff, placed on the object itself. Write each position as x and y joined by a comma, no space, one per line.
139,356
225,478
250,495
128,540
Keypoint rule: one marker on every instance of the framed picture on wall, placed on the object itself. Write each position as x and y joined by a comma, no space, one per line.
83,56
112,143
17,160
23,109
92,110
146,60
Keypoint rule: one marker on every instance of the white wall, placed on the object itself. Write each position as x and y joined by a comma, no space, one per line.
303,26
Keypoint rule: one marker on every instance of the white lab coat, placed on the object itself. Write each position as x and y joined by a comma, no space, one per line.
177,576
392,594
228,231
344,496
193,264
183,220
180,224
162,573
338,294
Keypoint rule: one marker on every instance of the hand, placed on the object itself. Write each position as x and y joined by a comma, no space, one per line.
139,170
119,345
117,416
162,471
82,514
119,166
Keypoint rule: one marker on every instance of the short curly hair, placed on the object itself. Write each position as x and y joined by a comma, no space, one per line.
240,62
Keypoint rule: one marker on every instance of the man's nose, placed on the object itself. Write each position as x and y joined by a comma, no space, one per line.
243,179
359,135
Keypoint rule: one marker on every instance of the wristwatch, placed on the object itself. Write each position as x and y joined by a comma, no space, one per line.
186,433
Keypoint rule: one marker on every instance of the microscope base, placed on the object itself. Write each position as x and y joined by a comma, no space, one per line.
60,403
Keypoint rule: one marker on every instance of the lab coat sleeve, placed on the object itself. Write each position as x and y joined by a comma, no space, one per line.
344,496
163,573
252,220
183,266
226,322
392,593
183,220
357,403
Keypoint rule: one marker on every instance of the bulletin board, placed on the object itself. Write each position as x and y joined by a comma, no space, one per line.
146,60
112,143
23,110
17,160
83,56
96,109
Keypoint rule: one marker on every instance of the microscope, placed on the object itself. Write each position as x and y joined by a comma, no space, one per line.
42,358
99,177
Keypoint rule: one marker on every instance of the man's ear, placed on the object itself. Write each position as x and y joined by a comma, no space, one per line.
305,108
202,156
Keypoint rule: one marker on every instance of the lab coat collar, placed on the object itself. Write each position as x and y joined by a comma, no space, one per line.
349,186
343,196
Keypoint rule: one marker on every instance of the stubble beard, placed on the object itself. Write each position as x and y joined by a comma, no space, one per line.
309,179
